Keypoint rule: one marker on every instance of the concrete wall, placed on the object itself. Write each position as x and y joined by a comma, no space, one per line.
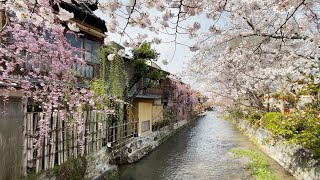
297,160
11,128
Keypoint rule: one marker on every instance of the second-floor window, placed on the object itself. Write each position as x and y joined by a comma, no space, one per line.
150,83
90,54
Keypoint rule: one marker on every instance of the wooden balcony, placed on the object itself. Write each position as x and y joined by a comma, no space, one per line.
153,91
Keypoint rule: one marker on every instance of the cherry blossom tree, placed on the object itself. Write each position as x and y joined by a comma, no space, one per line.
265,46
262,45
36,58
181,99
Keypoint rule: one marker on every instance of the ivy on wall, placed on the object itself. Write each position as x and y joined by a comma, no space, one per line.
109,86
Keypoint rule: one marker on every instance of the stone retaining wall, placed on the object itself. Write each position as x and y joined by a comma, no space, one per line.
99,164
299,161
142,146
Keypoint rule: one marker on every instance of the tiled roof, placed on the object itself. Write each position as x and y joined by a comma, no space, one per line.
83,11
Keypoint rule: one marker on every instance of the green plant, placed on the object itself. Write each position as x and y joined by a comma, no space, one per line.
271,121
168,118
258,165
306,130
254,117
144,51
236,113
227,118
160,124
31,175
73,169
301,127
155,74
113,176
141,55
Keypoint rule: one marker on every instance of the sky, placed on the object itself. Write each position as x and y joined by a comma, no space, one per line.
179,59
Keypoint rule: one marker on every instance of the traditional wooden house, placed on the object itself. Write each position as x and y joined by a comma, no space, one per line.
93,30
19,118
147,102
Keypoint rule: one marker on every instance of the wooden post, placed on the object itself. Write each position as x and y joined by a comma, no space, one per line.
65,140
53,140
29,132
90,132
94,132
114,133
88,140
25,137
31,153
103,133
75,142
100,131
60,145
46,149
85,145
39,160
98,118
70,137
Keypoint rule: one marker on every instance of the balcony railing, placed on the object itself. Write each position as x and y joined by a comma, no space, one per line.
153,91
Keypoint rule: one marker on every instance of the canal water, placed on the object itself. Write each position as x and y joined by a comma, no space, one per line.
199,151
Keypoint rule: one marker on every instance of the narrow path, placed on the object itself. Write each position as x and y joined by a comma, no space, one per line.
200,151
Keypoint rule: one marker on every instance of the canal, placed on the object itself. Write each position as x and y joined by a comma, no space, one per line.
199,151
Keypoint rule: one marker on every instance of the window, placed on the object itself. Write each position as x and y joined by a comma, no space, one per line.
150,83
91,54
145,126
92,51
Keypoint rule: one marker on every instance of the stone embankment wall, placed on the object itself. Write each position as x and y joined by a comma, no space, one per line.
299,161
99,164
142,146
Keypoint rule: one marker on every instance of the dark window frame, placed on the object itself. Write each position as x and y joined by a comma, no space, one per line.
92,64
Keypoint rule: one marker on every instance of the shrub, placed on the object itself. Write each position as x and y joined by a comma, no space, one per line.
271,121
254,117
160,124
300,127
73,169
306,131
236,113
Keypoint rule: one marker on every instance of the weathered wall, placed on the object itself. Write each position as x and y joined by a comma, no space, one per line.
98,164
11,144
145,114
157,113
297,160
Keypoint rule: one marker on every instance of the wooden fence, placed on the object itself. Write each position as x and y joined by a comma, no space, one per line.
66,140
